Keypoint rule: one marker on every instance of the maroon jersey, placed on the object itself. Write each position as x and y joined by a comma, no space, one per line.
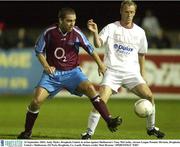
62,50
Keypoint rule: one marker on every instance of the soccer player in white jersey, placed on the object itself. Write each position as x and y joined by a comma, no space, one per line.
126,46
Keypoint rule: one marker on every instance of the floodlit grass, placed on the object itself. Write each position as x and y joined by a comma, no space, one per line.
66,118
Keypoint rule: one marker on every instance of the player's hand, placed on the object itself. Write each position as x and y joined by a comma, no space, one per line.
50,69
102,69
92,26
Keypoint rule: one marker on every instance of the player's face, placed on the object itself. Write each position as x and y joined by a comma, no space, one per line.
128,13
68,22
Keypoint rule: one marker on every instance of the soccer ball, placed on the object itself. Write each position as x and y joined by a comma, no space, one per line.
143,108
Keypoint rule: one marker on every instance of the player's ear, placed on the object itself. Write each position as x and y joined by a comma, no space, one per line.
120,11
60,20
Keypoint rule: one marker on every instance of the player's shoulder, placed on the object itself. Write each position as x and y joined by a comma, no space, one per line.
138,28
112,24
76,28
50,28
78,31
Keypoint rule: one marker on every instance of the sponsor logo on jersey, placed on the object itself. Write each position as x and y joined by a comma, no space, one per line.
122,49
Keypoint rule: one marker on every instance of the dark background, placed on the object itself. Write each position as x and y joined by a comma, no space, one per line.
43,13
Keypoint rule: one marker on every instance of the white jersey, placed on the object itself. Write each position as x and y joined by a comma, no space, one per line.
122,46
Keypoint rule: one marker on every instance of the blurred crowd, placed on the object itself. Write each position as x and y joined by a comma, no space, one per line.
157,36
14,38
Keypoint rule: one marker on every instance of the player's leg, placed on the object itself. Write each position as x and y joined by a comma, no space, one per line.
143,91
32,113
88,89
110,84
94,116
78,84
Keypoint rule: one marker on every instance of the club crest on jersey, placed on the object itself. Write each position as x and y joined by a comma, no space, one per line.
70,42
122,49
63,39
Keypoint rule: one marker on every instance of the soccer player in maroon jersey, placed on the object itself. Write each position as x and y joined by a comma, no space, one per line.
57,50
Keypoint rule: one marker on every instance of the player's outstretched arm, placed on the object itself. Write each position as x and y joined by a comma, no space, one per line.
92,26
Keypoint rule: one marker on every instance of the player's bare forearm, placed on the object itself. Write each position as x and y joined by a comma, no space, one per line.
44,63
101,66
97,40
42,60
141,64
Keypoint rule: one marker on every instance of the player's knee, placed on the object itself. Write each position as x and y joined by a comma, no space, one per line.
35,104
89,87
149,96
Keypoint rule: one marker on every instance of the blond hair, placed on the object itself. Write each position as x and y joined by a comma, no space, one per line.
129,3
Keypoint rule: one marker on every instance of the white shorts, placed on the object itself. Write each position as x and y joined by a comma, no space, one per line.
115,79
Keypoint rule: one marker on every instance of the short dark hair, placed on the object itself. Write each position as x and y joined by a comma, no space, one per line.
64,11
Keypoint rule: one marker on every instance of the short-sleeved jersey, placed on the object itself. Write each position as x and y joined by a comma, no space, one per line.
61,50
122,46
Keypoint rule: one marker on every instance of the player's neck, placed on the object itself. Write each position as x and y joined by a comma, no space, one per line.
127,25
62,30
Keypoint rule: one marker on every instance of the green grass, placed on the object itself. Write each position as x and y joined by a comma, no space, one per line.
66,118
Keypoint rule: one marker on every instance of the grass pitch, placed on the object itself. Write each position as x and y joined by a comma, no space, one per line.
66,118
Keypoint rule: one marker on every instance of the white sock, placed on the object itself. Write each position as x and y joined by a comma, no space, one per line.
92,122
151,119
